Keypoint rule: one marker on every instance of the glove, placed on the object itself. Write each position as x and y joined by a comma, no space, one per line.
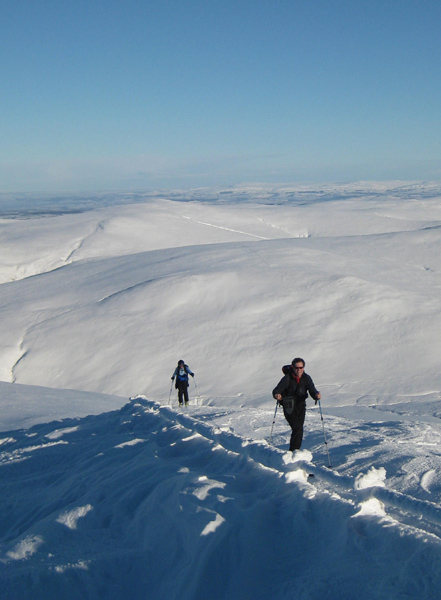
172,378
192,374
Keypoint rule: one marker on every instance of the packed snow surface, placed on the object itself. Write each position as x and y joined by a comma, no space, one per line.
111,491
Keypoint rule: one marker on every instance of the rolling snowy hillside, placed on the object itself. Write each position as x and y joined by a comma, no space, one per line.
110,491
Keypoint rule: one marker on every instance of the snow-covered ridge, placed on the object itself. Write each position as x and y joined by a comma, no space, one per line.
298,466
100,526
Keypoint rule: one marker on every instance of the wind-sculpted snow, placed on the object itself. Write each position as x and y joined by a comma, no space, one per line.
147,502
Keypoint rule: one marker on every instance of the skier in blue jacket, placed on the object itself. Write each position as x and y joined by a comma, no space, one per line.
181,373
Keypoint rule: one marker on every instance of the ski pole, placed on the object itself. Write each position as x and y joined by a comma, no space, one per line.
169,396
274,420
324,434
197,396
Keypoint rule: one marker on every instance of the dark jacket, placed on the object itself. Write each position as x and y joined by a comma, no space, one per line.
289,388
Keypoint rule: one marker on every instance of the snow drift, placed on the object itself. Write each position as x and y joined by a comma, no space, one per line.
147,503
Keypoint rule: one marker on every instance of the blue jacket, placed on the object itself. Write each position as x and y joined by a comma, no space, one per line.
182,374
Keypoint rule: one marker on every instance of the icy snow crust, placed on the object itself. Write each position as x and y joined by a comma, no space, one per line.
106,497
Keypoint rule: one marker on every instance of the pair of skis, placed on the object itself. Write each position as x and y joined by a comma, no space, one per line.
323,426
180,405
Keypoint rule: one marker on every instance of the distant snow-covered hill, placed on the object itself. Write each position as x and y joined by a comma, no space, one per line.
108,299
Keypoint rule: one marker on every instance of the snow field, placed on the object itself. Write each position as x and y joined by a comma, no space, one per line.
149,501
370,301
146,485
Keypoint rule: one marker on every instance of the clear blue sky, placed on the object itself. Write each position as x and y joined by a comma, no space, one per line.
142,94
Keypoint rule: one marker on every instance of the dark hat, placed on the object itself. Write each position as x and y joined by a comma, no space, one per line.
296,360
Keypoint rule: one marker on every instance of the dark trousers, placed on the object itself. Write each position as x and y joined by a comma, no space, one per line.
182,391
296,420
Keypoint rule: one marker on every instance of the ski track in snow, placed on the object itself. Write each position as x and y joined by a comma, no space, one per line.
417,512
89,518
226,228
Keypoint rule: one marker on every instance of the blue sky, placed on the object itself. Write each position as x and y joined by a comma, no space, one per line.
151,94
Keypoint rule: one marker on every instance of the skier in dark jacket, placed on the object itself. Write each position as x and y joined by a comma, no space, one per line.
181,373
291,392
